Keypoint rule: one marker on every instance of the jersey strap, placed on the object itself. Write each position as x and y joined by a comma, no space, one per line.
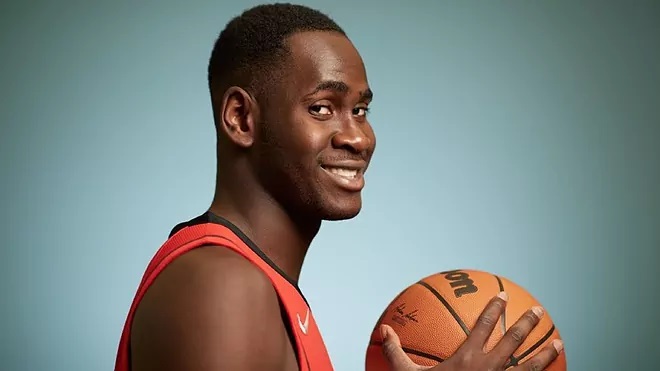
309,345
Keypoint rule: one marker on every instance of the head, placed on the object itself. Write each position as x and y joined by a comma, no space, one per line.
290,98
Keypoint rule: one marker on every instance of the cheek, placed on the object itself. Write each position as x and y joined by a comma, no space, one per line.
316,140
308,138
295,151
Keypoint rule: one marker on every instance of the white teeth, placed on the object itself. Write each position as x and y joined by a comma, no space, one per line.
346,173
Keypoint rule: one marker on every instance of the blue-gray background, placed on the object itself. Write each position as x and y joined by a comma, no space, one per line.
516,137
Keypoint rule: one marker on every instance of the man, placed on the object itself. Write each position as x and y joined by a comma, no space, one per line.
290,99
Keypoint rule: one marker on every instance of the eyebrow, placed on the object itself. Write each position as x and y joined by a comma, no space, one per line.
341,88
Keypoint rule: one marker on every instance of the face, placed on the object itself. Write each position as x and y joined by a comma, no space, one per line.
314,141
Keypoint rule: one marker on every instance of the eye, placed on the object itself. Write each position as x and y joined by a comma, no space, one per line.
320,110
360,111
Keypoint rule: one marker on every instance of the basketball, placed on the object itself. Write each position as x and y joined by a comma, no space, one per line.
433,317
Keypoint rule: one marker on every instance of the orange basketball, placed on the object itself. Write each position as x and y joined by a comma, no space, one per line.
433,317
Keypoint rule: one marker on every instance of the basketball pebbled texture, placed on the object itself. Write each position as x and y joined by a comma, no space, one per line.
433,317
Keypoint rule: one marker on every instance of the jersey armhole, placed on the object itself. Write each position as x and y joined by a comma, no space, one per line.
288,326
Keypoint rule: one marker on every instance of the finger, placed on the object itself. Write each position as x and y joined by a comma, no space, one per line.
486,322
392,350
544,358
517,333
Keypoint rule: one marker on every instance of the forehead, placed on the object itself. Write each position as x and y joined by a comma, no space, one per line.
324,56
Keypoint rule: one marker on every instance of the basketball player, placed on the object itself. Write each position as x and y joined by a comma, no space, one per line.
290,99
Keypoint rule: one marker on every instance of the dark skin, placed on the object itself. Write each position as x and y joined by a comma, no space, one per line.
285,163
471,355
210,309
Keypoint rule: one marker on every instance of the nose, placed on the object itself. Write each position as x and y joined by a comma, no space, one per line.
353,137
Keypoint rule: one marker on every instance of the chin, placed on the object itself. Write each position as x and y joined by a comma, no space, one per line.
341,210
345,215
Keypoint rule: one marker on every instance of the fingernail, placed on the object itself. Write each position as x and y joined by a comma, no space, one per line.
383,332
558,344
503,295
538,311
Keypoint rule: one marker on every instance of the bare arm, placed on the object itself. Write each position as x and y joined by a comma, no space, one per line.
210,310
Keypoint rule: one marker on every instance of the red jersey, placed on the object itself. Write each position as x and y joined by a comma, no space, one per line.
209,229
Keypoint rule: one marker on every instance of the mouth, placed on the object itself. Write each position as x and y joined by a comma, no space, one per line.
343,172
350,177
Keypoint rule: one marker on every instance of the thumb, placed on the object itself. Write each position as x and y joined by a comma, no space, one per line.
397,357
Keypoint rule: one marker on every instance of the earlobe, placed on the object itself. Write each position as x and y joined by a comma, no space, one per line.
238,109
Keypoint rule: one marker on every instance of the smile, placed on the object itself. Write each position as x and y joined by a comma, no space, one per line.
343,172
349,177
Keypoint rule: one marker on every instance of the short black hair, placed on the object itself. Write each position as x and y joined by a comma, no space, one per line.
248,50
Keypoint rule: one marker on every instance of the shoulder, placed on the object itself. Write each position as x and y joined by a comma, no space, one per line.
209,310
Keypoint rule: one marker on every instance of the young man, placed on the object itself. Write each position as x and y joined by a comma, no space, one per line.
290,98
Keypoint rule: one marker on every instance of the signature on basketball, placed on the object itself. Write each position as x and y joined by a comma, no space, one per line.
402,317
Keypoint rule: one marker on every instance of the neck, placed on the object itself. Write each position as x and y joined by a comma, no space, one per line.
285,240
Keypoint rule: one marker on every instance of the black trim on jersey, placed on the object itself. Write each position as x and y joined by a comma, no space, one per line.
209,217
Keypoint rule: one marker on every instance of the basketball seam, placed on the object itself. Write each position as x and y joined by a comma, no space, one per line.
412,351
444,302
531,349
513,360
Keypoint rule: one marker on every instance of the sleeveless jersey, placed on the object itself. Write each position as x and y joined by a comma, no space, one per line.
209,229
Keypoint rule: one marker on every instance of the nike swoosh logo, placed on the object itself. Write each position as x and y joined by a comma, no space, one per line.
303,326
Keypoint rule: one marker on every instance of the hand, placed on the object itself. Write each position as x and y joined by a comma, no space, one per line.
471,355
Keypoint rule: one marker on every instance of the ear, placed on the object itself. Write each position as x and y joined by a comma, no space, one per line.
237,118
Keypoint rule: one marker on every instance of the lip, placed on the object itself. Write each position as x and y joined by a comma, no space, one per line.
351,185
